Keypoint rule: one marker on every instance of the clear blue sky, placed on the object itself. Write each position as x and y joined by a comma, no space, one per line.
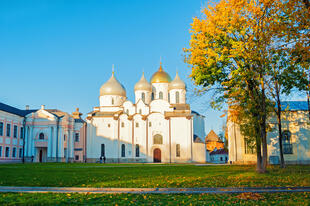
58,53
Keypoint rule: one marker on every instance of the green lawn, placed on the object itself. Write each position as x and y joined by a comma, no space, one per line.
147,175
155,199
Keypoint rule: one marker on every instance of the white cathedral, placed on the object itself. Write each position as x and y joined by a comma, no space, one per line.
158,127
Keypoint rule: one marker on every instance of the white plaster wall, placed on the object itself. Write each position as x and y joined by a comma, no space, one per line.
106,100
148,96
182,96
199,152
160,87
160,106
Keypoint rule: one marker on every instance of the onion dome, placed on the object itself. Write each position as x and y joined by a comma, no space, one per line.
112,87
177,83
160,76
143,84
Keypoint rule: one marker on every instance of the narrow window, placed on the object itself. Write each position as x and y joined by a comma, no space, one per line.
137,150
140,111
7,152
77,137
0,151
177,97
109,125
8,130
102,150
123,124
178,150
112,101
14,152
169,97
21,132
137,124
77,157
1,128
286,141
152,96
41,136
15,131
150,124
123,150
160,95
143,97
20,155
127,111
65,137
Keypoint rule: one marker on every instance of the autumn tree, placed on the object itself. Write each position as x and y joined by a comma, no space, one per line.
230,50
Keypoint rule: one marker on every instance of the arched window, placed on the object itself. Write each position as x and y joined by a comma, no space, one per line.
123,150
65,137
123,124
112,101
137,150
41,136
143,97
178,152
140,111
152,96
169,97
158,139
286,141
177,97
127,111
160,95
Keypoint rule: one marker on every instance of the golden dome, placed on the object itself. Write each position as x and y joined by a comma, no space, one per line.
160,76
177,83
143,84
112,87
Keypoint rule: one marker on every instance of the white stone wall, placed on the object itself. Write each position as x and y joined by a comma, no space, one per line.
148,96
160,87
182,96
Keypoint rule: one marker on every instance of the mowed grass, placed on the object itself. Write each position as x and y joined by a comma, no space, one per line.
149,175
154,199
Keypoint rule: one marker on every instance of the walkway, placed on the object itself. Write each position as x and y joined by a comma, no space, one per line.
153,190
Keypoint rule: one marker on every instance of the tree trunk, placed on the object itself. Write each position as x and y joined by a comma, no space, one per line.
282,162
259,164
263,129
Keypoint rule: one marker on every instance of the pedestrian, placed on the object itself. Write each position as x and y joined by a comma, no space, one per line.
100,159
32,158
103,159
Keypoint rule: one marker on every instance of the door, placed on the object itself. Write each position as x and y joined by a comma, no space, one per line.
157,155
40,155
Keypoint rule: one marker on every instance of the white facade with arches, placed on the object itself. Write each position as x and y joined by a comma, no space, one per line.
158,127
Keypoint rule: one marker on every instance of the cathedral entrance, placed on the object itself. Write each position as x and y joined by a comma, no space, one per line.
41,155
157,155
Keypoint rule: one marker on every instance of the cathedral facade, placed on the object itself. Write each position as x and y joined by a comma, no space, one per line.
157,127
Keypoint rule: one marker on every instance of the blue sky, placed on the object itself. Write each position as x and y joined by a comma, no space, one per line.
58,53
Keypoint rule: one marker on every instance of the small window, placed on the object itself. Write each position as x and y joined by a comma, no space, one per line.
178,152
221,158
20,155
123,124
21,132
127,111
177,97
112,101
7,152
8,130
123,150
150,124
137,124
143,97
160,95
77,157
41,136
15,131
1,128
286,142
0,151
158,139
14,152
137,150
152,96
140,111
77,137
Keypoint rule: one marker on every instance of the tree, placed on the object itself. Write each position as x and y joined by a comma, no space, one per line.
230,50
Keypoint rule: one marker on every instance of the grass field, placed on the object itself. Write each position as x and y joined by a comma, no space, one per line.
155,199
149,175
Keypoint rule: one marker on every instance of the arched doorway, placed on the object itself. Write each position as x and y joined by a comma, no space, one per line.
157,155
